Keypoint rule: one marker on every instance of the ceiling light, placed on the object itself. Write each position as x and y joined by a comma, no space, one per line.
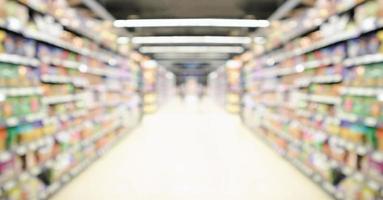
204,22
191,49
191,40
191,56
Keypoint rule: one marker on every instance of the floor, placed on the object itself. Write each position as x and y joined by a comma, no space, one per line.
191,152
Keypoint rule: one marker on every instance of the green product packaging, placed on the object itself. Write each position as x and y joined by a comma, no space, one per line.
12,136
12,76
371,137
27,105
357,106
17,105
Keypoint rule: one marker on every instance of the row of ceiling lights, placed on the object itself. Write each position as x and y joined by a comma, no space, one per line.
190,40
199,40
190,22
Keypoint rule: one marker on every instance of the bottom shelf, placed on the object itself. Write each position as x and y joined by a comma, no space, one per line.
307,171
66,178
44,180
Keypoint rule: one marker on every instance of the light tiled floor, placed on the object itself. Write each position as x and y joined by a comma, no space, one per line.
191,152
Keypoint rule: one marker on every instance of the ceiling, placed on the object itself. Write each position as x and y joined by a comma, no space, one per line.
154,9
123,9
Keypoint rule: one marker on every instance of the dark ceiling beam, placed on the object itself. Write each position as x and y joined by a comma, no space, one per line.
156,9
285,9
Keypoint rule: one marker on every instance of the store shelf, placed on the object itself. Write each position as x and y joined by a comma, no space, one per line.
58,63
45,38
15,121
48,140
362,91
59,99
310,173
325,99
75,171
328,187
317,116
321,63
21,60
28,91
76,30
300,68
32,146
42,37
340,37
363,60
48,78
63,63
368,121
316,25
344,36
334,78
319,84
80,82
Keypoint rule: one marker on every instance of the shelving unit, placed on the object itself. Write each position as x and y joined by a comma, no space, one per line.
157,84
54,118
315,96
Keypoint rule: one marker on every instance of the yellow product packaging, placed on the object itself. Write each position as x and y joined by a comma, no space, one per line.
3,35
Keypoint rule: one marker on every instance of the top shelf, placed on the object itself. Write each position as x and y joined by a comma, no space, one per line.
75,30
45,38
315,26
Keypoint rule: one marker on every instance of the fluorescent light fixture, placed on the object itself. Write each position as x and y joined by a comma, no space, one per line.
191,40
191,56
193,62
190,22
123,40
191,49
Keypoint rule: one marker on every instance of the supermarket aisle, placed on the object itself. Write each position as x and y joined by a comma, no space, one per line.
191,153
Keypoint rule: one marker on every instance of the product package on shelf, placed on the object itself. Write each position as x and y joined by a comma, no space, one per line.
225,85
316,95
233,94
155,84
65,96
